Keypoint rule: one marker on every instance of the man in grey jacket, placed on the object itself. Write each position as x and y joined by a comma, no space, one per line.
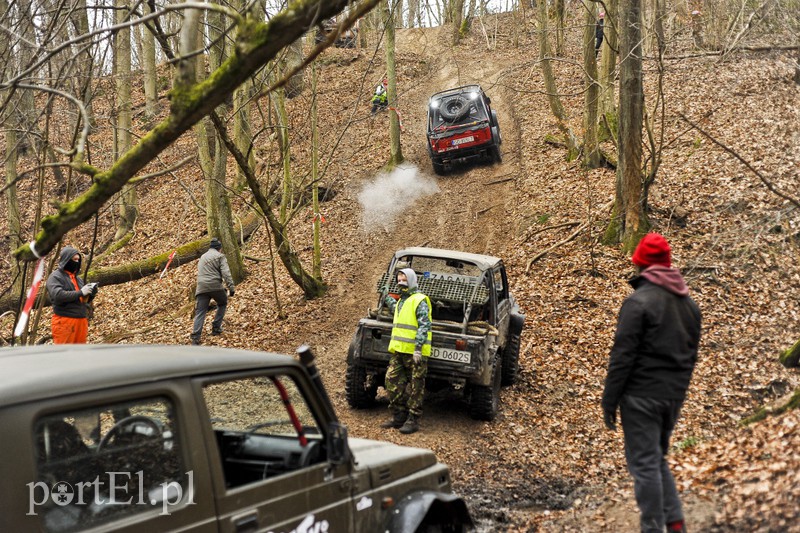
212,271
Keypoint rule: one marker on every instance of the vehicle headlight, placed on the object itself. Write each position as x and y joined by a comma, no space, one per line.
435,105
473,95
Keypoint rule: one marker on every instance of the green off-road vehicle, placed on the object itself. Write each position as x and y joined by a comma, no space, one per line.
476,329
198,439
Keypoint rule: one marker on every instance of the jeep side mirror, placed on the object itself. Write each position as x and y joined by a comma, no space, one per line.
338,449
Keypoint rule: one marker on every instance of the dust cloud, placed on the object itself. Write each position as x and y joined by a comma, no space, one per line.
383,199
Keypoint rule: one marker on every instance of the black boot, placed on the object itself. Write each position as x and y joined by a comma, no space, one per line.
411,425
397,421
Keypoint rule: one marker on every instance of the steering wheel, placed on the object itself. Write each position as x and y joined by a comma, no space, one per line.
130,422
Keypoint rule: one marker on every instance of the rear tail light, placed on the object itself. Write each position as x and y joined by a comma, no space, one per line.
461,344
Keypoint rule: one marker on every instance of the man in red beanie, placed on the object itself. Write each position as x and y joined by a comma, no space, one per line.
651,364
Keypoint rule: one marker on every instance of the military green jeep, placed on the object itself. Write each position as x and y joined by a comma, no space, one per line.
180,438
477,328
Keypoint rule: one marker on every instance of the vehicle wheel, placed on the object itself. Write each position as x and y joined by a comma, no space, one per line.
511,351
485,399
438,168
360,393
497,157
454,107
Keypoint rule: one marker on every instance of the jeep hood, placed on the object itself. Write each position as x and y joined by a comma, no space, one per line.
389,462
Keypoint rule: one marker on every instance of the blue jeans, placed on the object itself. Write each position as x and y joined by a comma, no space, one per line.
201,308
648,424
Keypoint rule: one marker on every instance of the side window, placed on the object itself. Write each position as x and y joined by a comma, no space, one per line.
499,286
263,427
102,463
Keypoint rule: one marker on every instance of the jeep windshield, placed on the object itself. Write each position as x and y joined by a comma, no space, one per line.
456,111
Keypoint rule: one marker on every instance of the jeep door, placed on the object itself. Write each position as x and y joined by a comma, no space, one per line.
271,469
122,459
502,301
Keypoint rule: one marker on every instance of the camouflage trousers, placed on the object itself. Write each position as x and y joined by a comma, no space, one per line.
405,383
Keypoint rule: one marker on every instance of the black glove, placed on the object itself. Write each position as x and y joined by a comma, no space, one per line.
610,419
231,291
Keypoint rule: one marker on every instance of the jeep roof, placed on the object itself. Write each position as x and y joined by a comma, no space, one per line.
457,90
39,372
483,262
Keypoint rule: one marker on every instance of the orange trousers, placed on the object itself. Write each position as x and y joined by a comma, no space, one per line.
68,330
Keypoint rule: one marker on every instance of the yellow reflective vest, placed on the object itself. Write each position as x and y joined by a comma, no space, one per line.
404,331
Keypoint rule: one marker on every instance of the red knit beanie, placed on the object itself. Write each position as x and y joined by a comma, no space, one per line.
653,249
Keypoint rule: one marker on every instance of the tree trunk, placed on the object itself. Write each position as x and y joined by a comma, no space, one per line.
608,70
457,10
629,221
560,6
317,253
150,74
80,20
128,200
286,160
591,153
293,58
12,208
550,85
396,156
414,18
219,216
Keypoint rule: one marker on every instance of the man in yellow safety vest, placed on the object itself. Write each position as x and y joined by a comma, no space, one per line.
410,347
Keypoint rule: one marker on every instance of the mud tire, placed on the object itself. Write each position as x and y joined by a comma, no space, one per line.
438,168
359,394
484,402
511,351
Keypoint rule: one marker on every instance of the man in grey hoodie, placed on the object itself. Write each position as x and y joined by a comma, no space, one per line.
70,297
410,347
212,271
651,364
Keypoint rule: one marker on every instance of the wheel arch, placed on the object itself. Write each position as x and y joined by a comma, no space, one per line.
429,507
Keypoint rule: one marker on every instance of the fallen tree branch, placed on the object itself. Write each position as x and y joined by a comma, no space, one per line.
548,228
482,211
556,245
763,179
737,49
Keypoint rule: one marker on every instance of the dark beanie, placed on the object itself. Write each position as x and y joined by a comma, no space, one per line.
653,249
215,244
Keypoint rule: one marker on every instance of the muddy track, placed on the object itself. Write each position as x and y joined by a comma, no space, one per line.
471,213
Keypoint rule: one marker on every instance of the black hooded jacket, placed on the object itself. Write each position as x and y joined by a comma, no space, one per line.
655,346
66,300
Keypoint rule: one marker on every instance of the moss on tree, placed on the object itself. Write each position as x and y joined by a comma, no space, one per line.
791,357
764,412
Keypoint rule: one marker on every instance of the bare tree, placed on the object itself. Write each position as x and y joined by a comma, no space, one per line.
629,219
591,151
190,99
128,199
396,156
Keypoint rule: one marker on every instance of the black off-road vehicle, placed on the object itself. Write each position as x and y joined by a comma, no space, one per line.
462,125
477,326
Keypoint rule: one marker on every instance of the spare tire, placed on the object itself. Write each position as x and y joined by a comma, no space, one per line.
454,107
